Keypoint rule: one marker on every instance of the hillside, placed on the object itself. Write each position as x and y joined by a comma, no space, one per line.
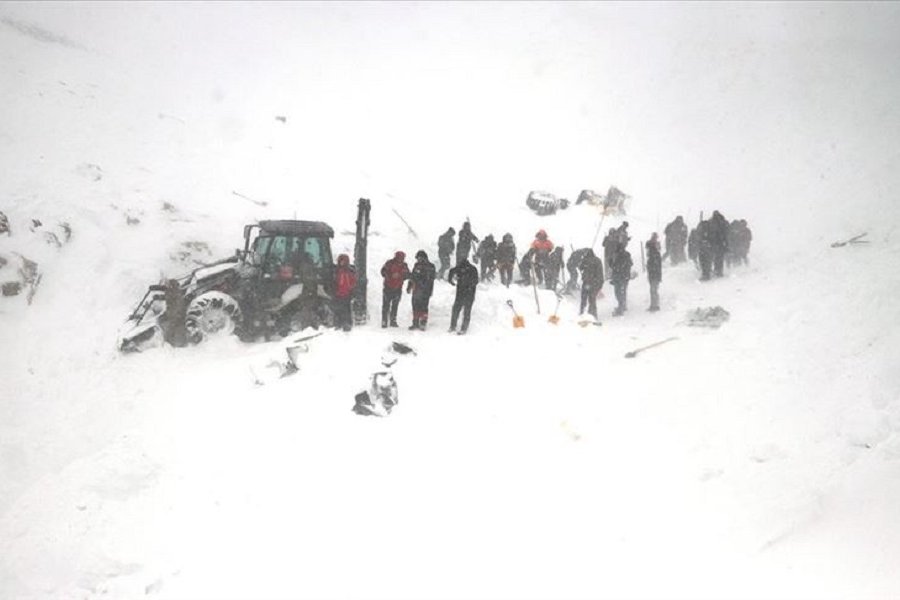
760,459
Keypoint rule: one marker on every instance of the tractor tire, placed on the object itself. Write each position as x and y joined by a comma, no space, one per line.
212,314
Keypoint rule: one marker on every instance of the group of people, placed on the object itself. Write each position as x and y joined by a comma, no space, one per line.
420,284
715,242
712,244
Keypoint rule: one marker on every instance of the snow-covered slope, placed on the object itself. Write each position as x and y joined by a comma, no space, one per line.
757,460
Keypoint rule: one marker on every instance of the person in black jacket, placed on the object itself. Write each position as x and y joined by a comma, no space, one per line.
610,245
487,256
718,239
445,249
676,237
465,277
506,259
704,249
553,267
621,275
654,271
591,281
465,241
421,285
572,266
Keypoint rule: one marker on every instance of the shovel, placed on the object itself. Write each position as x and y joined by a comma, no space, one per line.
635,352
553,318
518,320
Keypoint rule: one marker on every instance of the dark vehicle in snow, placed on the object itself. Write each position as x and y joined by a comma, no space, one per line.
281,281
545,203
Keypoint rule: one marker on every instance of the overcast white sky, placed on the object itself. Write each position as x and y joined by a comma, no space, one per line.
670,101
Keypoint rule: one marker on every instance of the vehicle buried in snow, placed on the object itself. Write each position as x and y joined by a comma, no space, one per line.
282,281
615,202
545,203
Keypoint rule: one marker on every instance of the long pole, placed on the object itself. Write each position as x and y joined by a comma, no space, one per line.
599,227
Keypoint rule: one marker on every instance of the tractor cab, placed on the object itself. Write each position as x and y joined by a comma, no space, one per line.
287,253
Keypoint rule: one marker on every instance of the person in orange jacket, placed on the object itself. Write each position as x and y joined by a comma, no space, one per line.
344,284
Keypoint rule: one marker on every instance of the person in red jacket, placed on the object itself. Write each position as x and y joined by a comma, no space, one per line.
395,272
542,247
344,284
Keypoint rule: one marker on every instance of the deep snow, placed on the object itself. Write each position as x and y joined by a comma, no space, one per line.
757,460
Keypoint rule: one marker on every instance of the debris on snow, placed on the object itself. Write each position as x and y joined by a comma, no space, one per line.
854,241
712,317
90,170
381,397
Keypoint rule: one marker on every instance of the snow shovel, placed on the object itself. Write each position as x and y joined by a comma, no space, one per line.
634,353
554,318
518,320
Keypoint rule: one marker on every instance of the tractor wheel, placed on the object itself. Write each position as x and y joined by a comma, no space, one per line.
212,314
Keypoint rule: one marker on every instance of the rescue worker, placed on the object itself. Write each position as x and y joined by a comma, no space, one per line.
591,281
744,238
465,277
718,239
445,249
553,268
421,285
676,237
506,259
654,271
525,266
394,272
542,247
693,246
621,275
704,250
610,243
344,284
572,266
465,241
487,257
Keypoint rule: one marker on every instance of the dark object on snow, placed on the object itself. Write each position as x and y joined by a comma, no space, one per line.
545,203
852,241
12,288
712,317
281,281
281,118
4,224
402,348
637,351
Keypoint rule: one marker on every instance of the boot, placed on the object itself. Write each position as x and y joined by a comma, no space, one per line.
423,322
415,324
